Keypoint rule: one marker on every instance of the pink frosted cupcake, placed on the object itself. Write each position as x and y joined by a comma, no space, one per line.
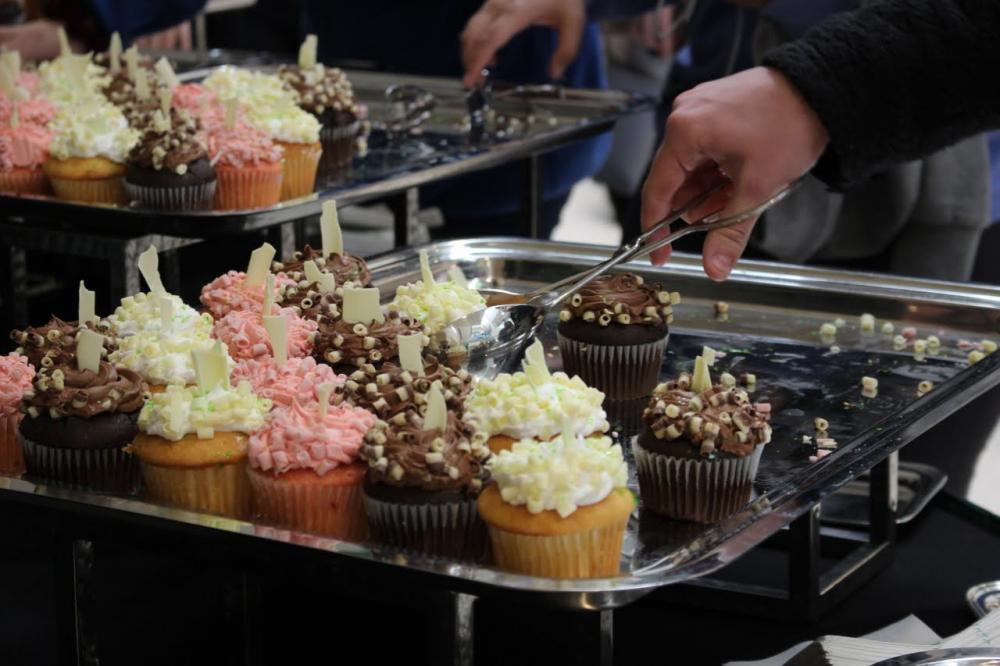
196,100
15,379
230,292
248,165
243,332
297,378
23,149
305,472
35,111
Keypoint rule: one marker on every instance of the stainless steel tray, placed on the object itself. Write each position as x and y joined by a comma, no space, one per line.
547,117
775,311
948,657
918,484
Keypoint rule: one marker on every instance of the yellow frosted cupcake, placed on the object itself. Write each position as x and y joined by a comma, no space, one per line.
192,446
558,508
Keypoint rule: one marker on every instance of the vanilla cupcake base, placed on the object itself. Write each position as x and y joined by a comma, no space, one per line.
222,489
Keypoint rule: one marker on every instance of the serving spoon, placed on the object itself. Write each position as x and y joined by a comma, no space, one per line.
490,341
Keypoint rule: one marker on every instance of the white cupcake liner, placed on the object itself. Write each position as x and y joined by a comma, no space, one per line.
186,197
621,372
108,470
699,490
449,530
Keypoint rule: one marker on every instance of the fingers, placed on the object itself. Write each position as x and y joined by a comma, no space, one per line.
723,248
184,42
480,41
570,32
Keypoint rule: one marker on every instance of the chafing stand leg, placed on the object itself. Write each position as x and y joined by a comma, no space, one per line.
404,207
464,629
14,287
124,269
803,565
452,636
607,637
531,195
74,568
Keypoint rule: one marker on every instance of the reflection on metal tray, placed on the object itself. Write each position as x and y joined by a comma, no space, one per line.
918,484
948,657
984,598
438,147
774,313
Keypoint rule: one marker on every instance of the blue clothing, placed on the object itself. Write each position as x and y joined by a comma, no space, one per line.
133,19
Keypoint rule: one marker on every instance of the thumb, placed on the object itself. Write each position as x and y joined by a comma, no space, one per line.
723,248
569,34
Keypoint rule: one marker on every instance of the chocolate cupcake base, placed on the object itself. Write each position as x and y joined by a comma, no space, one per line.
178,198
339,144
701,490
106,470
621,372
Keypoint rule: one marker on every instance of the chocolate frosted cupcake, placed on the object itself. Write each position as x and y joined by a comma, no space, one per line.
78,421
422,485
309,301
169,168
392,390
698,457
347,269
55,342
613,332
348,347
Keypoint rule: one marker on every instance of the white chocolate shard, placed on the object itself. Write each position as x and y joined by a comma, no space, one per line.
426,274
85,309
64,48
307,52
210,368
260,263
115,53
701,380
267,306
323,391
277,331
166,99
312,271
534,364
437,411
361,306
458,277
329,228
709,355
142,85
166,314
89,346
166,73
132,61
410,348
149,262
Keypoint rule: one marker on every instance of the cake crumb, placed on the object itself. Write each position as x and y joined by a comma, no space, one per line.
869,387
868,323
888,328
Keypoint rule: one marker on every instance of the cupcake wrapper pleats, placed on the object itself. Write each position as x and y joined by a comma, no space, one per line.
298,176
246,188
11,458
95,190
448,530
594,553
221,489
331,510
621,372
188,197
108,470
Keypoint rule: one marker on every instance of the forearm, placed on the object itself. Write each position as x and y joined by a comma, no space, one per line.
896,80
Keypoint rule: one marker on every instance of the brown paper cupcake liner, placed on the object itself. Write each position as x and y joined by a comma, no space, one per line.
702,491
621,372
448,530
188,197
331,510
339,145
94,190
106,470
594,553
221,489
24,181
11,458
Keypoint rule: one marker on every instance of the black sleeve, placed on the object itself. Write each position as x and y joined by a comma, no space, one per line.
896,80
600,10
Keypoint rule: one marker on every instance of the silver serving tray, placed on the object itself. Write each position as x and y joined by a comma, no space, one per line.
948,657
984,598
546,117
775,311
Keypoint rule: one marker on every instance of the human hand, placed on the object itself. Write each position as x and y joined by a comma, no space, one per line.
499,20
755,128
35,40
177,38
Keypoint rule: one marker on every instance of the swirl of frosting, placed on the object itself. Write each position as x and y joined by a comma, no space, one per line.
622,298
15,379
347,270
298,378
717,419
408,456
308,300
60,81
55,342
437,304
23,147
347,345
64,390
193,98
559,475
163,357
392,390
298,437
181,411
35,111
286,123
243,332
511,405
230,292
241,146
172,146
322,91
91,130
250,87
142,312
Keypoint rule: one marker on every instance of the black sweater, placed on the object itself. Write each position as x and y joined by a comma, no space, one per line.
896,80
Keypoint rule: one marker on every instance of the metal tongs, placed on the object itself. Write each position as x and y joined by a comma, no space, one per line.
494,337
478,102
409,107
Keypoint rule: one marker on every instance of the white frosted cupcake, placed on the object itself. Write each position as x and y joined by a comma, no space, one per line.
436,304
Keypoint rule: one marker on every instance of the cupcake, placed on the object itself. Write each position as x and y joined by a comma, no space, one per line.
347,270
534,404
169,168
237,290
356,340
422,483
698,457
243,333
55,342
193,443
558,509
78,417
33,111
15,380
144,312
282,383
393,390
23,150
613,333
326,93
90,144
304,468
436,304
248,166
